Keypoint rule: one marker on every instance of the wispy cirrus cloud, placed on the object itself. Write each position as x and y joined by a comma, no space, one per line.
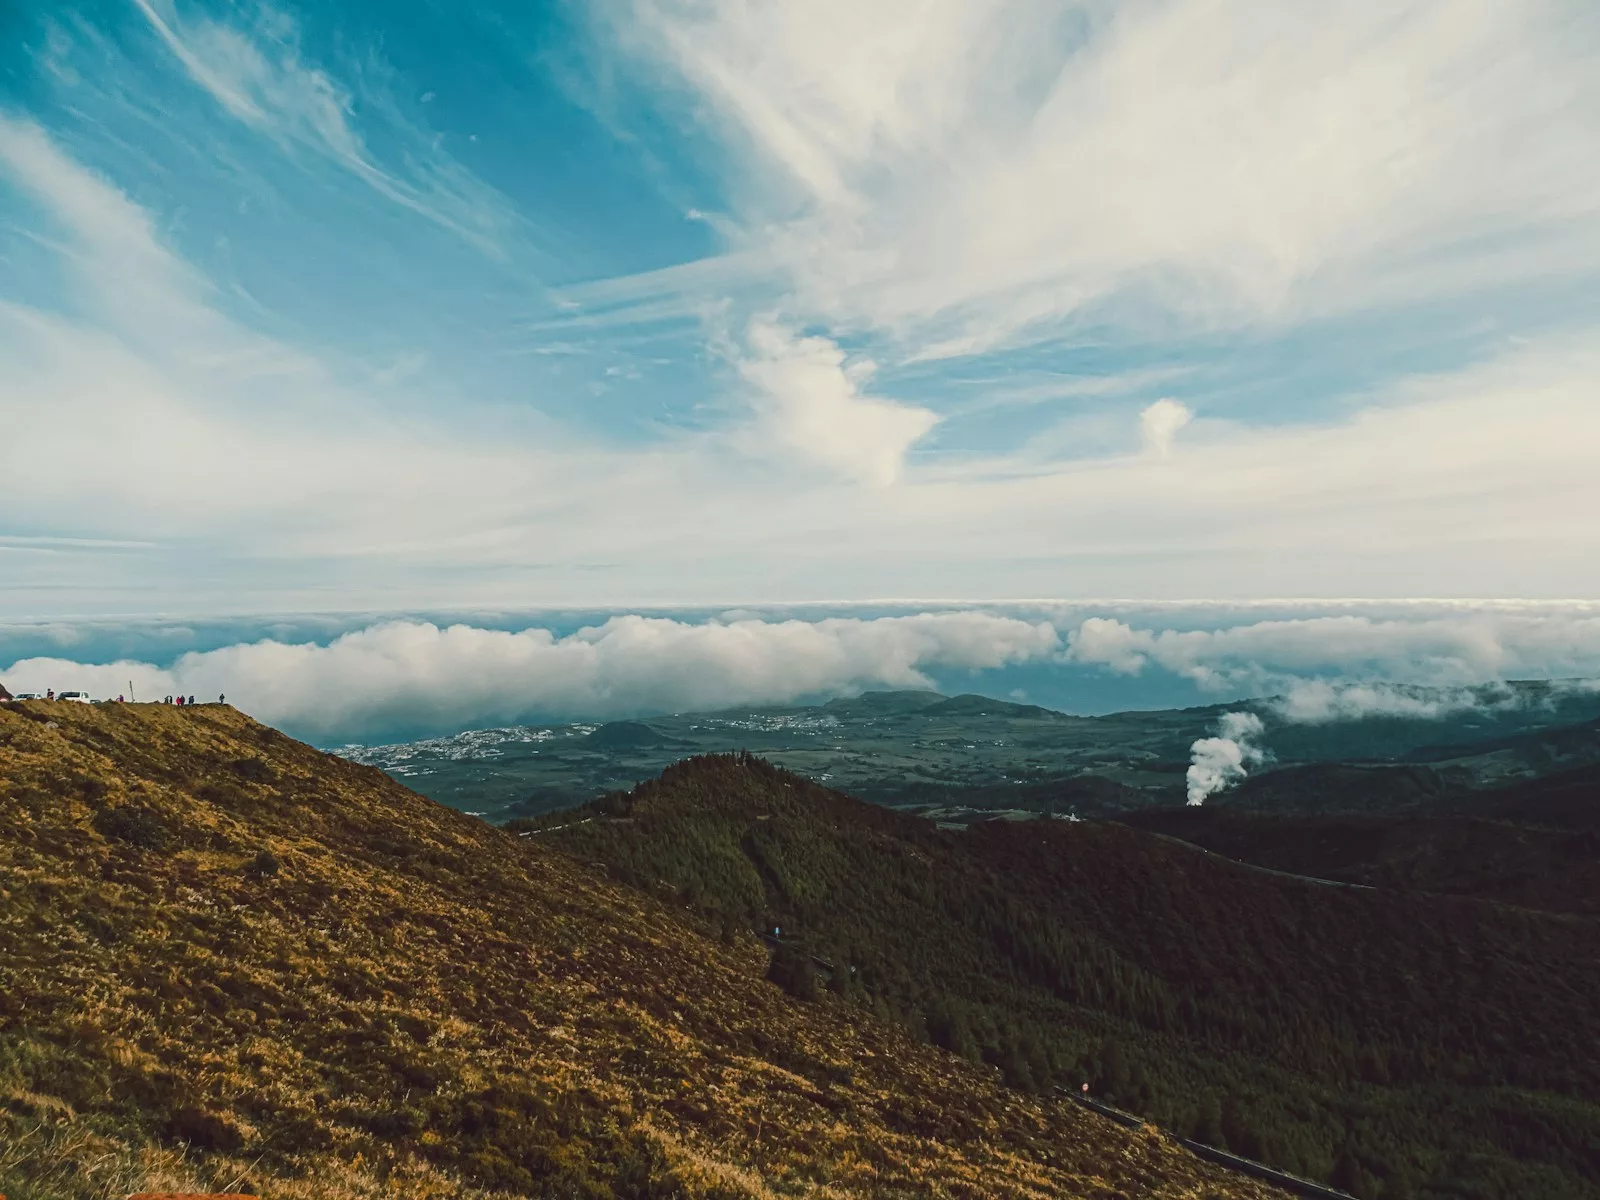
144,393
1017,165
259,74
110,244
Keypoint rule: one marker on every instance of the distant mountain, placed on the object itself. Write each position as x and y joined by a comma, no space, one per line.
969,705
230,962
873,704
1414,1044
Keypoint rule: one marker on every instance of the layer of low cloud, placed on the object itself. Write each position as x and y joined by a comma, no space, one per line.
401,677
1322,702
418,677
1460,649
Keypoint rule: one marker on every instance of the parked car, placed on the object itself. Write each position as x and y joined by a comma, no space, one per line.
27,696
75,697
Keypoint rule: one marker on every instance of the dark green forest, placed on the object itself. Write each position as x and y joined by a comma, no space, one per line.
1395,1043
1514,862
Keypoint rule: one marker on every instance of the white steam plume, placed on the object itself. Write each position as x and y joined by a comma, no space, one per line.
1217,763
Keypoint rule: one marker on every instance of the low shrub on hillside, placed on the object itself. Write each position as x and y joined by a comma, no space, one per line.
264,865
793,971
133,825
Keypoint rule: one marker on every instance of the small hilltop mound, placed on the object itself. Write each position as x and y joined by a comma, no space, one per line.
229,962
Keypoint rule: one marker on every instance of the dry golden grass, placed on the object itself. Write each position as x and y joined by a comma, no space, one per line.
228,961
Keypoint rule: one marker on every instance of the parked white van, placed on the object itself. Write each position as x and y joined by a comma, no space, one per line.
75,697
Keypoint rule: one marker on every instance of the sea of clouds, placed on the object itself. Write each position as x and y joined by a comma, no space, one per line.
338,680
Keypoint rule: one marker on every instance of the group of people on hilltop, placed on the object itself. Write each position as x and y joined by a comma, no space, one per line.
50,694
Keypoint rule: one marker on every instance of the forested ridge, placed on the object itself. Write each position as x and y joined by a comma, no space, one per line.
1398,1044
1533,866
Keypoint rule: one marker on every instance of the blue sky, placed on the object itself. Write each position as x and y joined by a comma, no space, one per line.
413,307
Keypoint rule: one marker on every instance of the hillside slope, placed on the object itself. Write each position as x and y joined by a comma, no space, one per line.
1563,800
1347,789
1557,870
1402,1044
228,959
1521,756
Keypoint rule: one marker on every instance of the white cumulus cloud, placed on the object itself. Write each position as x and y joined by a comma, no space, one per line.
810,402
1159,425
